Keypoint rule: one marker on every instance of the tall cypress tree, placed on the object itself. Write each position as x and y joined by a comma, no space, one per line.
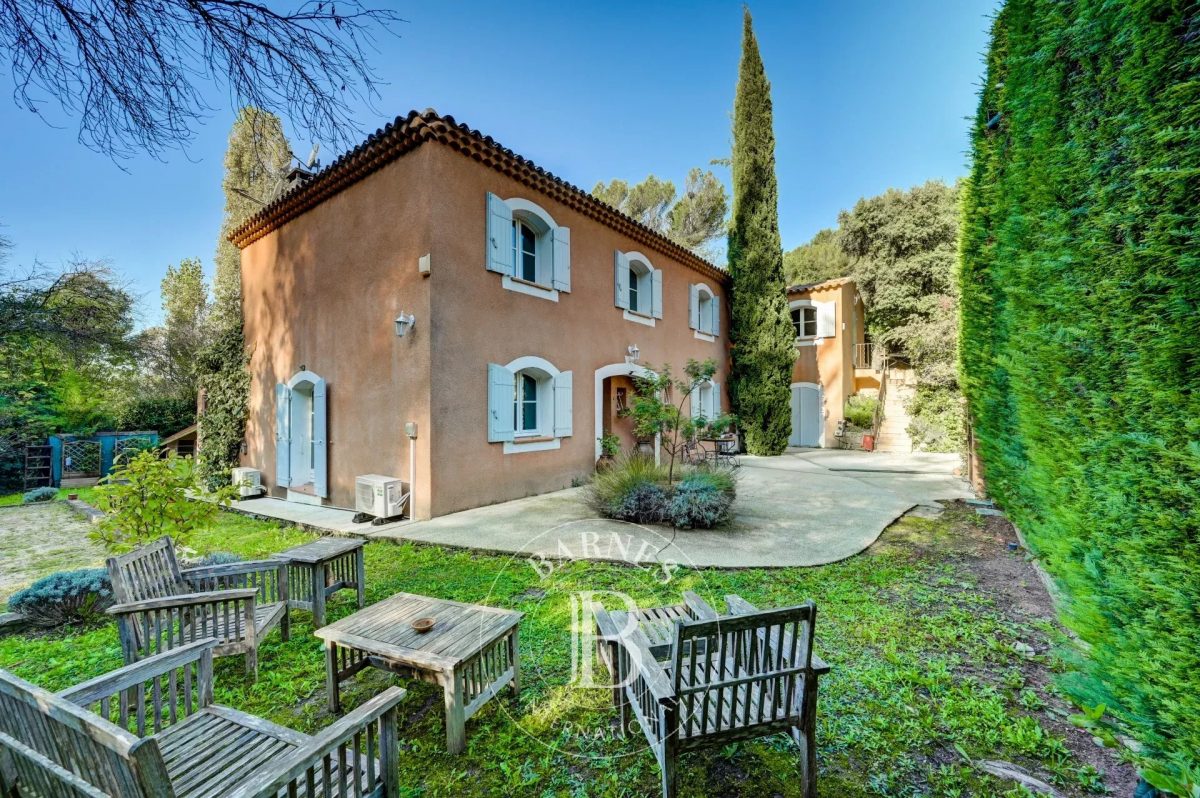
761,329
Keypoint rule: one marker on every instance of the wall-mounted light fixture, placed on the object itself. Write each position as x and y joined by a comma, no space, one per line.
404,323
632,353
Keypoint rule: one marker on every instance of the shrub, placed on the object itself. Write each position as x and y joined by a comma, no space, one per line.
637,490
37,495
219,558
65,597
644,503
700,502
936,420
166,415
860,410
147,497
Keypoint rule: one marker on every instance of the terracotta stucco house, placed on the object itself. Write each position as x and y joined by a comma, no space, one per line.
436,308
833,359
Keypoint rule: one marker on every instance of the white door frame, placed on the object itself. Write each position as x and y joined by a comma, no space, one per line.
820,409
618,370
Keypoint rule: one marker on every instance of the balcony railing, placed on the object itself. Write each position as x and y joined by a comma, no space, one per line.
866,356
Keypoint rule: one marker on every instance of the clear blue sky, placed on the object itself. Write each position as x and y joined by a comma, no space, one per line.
868,94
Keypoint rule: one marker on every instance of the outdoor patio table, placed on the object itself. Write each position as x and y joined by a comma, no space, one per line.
319,569
471,651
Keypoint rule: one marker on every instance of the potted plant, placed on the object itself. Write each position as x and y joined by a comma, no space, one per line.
610,447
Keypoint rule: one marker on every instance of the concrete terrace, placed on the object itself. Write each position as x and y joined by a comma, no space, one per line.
806,507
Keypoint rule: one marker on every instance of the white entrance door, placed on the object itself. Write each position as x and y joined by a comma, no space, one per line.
806,416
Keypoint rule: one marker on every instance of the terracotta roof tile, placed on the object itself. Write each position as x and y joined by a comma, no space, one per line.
407,133
834,283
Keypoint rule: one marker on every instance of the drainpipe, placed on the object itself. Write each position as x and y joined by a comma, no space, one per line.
410,429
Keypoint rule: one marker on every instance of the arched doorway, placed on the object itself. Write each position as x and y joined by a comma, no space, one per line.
301,463
614,384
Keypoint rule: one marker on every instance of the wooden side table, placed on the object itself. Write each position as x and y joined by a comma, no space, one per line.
319,569
472,652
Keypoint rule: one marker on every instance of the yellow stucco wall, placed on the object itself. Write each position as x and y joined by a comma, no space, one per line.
829,362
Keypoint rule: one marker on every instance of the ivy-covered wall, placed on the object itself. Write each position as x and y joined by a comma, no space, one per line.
1080,338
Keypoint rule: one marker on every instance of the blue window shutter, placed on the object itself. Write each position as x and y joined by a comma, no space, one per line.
563,410
656,293
500,403
621,281
320,440
283,435
562,258
716,400
694,306
499,235
716,315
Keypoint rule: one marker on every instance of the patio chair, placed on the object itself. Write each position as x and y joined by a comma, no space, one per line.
161,606
693,678
152,731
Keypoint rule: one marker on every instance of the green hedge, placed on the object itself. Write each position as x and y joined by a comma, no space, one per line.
1080,320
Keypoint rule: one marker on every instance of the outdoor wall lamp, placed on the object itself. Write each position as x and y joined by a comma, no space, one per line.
633,353
404,323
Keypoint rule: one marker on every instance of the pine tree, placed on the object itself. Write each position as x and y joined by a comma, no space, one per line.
256,164
761,329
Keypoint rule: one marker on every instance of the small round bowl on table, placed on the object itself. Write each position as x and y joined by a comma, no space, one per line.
422,625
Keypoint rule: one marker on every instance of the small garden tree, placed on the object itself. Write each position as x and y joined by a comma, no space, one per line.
147,497
657,409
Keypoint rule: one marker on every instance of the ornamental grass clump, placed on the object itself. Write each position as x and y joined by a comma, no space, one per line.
66,597
637,490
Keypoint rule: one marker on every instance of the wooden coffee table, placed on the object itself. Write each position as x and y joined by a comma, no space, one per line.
472,652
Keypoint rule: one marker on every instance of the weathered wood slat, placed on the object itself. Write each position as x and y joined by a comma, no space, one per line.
52,746
161,607
724,678
471,651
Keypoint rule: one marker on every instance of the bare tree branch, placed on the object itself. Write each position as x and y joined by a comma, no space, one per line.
136,73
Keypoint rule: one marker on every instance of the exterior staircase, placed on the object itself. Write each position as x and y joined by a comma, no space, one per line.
892,435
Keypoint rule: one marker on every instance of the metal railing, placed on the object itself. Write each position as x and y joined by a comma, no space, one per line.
867,356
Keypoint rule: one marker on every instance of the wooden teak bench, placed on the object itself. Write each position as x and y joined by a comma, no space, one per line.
152,731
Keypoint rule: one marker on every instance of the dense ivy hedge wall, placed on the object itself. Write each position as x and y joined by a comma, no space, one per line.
1081,332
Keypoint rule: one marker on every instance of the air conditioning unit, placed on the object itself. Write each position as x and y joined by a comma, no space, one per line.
380,496
248,482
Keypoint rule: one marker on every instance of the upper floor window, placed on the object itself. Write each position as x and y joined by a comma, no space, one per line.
812,321
704,312
638,287
527,247
524,242
529,404
804,319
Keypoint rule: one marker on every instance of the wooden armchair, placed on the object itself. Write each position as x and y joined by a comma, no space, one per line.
160,606
155,733
720,678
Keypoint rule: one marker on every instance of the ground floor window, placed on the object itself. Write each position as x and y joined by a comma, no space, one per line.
529,404
525,403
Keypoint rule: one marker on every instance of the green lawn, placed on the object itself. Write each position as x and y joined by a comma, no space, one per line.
87,494
925,671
